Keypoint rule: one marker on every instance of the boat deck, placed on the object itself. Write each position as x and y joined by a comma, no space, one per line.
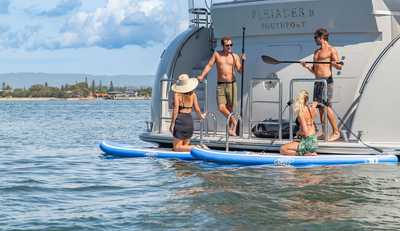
272,145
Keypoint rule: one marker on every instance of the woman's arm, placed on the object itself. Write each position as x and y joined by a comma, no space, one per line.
197,107
174,112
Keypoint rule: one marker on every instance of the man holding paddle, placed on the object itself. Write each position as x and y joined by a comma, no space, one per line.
325,58
227,62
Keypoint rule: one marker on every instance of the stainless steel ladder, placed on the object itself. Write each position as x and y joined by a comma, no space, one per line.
252,101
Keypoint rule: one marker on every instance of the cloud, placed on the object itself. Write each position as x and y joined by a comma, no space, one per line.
64,7
4,5
118,24
17,39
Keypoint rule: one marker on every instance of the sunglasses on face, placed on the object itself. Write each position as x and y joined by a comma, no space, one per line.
228,45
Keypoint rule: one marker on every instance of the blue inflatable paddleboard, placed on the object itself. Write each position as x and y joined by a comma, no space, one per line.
123,150
246,158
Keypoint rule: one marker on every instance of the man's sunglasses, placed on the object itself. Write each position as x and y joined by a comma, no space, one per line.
228,45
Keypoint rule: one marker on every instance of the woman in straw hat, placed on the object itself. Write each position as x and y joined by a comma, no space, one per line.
305,118
185,100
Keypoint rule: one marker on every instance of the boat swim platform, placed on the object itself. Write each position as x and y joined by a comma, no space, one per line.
273,145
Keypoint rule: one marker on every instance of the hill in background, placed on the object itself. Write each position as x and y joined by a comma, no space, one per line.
21,80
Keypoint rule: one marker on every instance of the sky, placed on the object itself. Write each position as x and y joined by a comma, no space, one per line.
87,36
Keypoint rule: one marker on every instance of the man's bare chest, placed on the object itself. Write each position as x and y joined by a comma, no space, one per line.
323,55
225,60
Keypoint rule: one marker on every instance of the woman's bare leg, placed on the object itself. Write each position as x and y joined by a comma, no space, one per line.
184,146
177,144
289,149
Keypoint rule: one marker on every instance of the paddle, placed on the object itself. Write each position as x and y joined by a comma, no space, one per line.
241,85
269,60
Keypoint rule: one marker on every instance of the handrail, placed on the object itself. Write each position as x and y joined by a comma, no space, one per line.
325,98
376,62
367,77
163,99
205,121
251,102
239,119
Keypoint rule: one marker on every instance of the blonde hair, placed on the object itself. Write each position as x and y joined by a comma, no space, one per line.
301,101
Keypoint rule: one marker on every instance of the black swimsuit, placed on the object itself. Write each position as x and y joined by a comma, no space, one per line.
183,128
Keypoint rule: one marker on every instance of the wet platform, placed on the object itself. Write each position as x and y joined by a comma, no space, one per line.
272,145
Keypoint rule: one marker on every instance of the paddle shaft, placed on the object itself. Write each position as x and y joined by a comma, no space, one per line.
316,62
241,85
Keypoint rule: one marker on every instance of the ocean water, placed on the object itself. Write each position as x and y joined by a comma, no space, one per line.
54,177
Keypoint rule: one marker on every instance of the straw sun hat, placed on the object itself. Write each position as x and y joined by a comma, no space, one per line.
185,84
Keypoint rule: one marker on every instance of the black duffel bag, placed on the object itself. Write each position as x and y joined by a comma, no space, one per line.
271,131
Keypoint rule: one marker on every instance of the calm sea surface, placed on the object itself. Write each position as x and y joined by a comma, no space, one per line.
53,177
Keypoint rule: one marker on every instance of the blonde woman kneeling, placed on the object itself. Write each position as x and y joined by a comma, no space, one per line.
305,117
185,100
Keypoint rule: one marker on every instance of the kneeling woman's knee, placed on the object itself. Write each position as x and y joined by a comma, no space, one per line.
283,149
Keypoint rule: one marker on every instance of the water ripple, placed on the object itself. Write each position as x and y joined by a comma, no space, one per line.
53,177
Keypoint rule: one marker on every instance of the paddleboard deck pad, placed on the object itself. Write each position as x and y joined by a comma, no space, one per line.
124,150
243,158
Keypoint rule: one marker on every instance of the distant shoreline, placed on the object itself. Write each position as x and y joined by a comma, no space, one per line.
66,99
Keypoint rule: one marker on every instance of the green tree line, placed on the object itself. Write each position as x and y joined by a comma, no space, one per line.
77,90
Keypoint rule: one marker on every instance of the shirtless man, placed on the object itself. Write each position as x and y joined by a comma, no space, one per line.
227,62
324,71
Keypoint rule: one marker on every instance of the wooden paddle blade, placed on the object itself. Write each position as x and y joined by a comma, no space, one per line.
269,60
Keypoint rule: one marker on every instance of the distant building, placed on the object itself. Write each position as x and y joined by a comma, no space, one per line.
117,95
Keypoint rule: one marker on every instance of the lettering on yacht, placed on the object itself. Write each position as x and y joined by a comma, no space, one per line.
283,25
283,13
283,18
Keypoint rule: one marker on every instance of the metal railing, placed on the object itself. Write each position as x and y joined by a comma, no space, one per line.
165,85
252,101
204,124
239,119
325,97
199,14
201,17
